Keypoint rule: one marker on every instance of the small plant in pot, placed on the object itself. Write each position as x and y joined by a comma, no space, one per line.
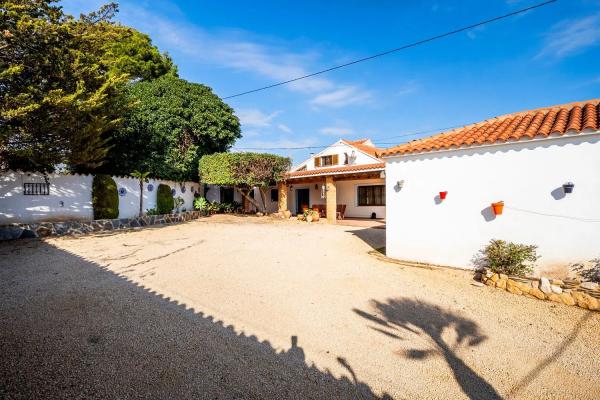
311,215
568,187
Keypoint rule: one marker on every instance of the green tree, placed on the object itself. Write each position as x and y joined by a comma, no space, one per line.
244,171
173,124
61,83
142,177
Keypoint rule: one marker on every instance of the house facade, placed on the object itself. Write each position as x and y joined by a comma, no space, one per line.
346,179
524,160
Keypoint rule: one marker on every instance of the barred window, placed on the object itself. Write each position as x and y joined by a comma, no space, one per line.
36,189
371,195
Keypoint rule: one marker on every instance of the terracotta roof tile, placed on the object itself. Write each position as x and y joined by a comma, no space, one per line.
370,150
572,118
335,170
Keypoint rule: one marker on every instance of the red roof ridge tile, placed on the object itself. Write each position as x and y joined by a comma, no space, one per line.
562,118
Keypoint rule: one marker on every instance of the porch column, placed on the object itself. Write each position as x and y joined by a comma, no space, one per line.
283,191
331,200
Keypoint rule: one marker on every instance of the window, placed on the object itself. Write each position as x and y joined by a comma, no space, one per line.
371,195
346,159
227,195
36,189
326,161
274,195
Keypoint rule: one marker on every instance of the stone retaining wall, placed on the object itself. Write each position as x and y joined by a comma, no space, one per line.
571,293
43,229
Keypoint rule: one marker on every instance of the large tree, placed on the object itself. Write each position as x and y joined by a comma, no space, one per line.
173,124
61,81
244,171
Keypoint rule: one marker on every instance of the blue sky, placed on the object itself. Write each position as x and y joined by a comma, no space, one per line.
544,57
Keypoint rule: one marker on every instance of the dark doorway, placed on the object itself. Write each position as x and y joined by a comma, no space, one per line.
302,199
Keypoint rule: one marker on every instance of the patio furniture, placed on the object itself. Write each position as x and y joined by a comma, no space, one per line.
340,211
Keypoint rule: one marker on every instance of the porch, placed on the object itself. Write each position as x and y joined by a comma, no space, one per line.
356,192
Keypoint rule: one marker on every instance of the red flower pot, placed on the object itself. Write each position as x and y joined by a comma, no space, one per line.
498,207
443,195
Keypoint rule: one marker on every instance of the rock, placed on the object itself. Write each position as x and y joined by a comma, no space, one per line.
478,284
535,292
545,285
554,297
489,274
259,214
287,214
525,288
490,282
557,282
535,284
10,232
494,278
589,285
556,289
584,300
567,299
501,284
503,276
478,276
512,287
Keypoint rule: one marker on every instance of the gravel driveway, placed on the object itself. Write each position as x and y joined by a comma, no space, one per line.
250,308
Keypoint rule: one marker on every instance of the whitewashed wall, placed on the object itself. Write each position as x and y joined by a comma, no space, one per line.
70,197
527,176
339,148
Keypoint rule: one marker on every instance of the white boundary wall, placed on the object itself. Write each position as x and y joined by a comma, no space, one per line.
70,197
528,176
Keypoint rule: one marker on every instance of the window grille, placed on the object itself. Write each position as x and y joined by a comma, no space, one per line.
36,189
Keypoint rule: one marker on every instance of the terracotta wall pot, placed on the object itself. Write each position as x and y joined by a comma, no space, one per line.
498,207
443,195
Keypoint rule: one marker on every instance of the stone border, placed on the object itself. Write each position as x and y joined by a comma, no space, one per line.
43,229
569,293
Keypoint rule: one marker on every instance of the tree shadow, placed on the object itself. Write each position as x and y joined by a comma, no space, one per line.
70,328
424,319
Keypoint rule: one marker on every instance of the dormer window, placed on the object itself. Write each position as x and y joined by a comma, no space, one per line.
326,161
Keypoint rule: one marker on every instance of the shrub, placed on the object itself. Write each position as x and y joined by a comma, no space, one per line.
152,211
201,204
508,258
105,199
164,199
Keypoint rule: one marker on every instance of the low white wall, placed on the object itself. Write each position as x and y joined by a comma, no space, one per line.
527,176
70,197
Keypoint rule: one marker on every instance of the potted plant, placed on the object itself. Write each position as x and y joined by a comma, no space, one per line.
498,207
311,215
568,187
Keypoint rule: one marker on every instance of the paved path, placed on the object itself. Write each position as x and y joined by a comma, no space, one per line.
238,308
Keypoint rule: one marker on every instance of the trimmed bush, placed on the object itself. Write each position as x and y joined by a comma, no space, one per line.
105,199
164,199
508,258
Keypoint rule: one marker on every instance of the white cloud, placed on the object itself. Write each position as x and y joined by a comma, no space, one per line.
336,131
255,118
284,128
569,37
343,96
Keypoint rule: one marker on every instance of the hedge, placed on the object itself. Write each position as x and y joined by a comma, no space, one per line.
105,198
164,199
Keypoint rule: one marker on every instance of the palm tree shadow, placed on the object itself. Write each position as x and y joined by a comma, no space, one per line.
427,319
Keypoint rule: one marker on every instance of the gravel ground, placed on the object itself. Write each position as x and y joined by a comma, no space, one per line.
249,308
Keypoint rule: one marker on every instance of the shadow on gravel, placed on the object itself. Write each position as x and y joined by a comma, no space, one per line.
402,315
69,328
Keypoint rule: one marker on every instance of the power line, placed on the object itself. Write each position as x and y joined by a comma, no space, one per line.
414,133
404,47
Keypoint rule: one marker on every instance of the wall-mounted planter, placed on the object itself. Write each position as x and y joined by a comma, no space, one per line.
568,187
443,195
498,207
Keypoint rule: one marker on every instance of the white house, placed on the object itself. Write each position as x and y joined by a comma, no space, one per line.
522,160
344,180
